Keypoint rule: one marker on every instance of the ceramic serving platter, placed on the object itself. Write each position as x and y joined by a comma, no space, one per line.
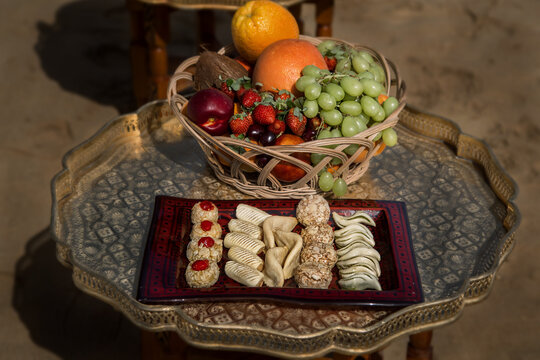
162,279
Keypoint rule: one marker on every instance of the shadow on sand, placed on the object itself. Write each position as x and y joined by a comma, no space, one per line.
60,317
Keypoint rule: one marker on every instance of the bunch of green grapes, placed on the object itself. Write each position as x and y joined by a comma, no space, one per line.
348,100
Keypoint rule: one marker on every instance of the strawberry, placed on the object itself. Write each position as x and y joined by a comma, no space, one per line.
264,114
296,121
283,95
249,98
240,123
330,63
277,127
227,90
240,92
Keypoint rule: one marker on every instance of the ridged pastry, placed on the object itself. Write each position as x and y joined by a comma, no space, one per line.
244,241
243,274
246,257
251,214
236,225
358,217
360,282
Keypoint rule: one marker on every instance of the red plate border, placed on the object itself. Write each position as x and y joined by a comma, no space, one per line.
168,236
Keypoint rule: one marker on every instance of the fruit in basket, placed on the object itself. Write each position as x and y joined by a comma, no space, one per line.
296,121
258,24
281,64
212,67
240,123
264,114
210,109
285,171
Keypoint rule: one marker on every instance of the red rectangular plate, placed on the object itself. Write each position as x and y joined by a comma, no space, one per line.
169,235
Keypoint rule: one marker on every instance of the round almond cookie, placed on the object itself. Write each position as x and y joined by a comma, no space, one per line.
313,275
205,228
320,253
312,210
202,273
204,210
205,248
321,233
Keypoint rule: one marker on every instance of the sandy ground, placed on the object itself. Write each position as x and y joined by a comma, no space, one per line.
65,72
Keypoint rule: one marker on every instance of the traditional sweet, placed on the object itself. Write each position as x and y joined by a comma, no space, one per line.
242,226
243,274
204,210
205,228
246,257
293,242
274,223
251,214
202,273
244,241
313,275
320,233
320,253
312,210
273,267
205,248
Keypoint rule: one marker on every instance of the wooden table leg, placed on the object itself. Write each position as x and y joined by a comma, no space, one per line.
138,51
157,36
419,347
325,13
162,346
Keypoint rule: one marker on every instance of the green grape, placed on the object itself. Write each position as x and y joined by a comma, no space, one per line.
311,70
381,115
326,101
351,86
335,90
390,105
312,91
326,181
364,118
366,56
371,87
343,65
340,187
350,108
349,126
324,134
378,136
304,81
348,97
325,72
360,64
331,117
326,46
317,158
389,137
311,108
370,106
359,122
336,161
365,75
351,149
378,73
336,132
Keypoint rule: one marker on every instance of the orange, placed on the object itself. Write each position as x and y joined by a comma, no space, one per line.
281,64
258,24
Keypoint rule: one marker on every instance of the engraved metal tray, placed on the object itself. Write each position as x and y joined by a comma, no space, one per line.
459,201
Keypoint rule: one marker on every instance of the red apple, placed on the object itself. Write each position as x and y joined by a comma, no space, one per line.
211,109
285,171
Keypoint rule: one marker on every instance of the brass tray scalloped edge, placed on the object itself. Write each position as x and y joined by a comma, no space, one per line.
404,321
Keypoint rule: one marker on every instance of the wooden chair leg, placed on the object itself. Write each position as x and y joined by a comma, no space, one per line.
138,51
162,346
325,13
157,36
419,347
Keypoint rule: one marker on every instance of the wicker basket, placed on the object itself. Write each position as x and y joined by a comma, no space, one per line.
241,171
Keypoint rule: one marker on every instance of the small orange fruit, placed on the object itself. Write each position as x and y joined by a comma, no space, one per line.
258,24
281,64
